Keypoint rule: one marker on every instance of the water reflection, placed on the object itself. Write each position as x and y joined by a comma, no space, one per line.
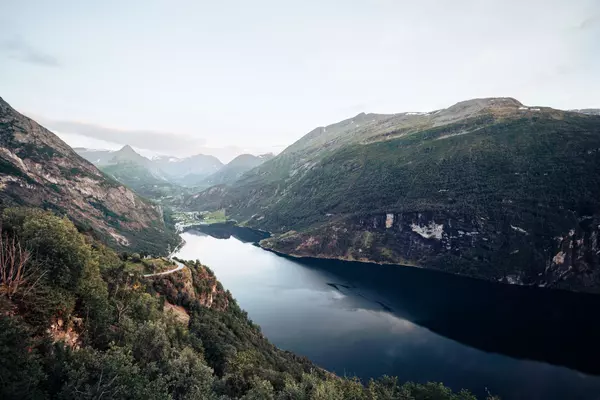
370,320
531,323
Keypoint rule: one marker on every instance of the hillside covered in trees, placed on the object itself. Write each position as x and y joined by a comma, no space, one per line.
80,321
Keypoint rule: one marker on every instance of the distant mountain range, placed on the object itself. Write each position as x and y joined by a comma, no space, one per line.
588,111
488,188
144,175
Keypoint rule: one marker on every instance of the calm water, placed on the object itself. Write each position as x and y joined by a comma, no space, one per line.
368,320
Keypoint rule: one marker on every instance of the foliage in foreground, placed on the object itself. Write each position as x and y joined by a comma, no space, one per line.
86,325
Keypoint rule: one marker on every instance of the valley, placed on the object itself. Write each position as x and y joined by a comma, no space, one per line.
319,243
484,188
314,200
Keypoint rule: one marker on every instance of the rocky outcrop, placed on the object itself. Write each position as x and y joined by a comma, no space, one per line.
479,246
68,333
38,169
196,283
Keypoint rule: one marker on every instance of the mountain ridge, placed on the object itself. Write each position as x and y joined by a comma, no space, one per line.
234,169
167,168
482,188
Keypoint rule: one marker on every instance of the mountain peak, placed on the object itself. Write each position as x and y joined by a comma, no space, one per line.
128,149
128,154
488,102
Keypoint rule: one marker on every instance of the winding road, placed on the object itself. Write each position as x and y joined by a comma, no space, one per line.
180,266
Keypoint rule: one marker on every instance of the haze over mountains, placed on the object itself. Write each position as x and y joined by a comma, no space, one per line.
200,170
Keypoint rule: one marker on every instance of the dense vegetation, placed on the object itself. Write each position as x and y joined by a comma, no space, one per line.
514,192
78,322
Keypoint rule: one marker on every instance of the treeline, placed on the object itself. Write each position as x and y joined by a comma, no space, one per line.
77,322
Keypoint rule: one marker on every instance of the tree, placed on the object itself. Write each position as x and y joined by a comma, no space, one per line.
260,390
14,266
56,246
112,374
20,368
189,377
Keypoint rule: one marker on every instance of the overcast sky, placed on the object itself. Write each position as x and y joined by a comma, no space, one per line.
181,77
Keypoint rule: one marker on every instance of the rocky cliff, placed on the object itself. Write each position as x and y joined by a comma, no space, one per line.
195,282
471,245
38,169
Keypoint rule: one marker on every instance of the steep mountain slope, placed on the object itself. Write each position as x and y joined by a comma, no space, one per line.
135,171
38,169
233,170
142,180
487,188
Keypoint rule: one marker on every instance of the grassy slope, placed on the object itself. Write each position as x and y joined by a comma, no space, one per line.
491,177
542,165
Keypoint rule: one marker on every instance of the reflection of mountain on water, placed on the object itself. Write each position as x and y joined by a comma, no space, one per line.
226,230
557,327
337,286
346,289
552,326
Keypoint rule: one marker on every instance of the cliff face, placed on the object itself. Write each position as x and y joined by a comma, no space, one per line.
476,246
194,283
38,169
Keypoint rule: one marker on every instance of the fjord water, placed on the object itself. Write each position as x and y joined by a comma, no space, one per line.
368,320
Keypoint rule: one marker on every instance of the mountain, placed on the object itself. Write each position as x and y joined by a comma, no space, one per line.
128,155
38,169
236,168
108,157
133,170
181,171
177,169
487,188
588,111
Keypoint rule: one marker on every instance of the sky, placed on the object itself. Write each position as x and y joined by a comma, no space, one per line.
225,77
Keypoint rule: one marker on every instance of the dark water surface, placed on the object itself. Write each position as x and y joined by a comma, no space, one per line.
368,320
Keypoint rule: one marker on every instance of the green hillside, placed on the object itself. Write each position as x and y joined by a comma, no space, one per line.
234,169
487,188
79,321
140,179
